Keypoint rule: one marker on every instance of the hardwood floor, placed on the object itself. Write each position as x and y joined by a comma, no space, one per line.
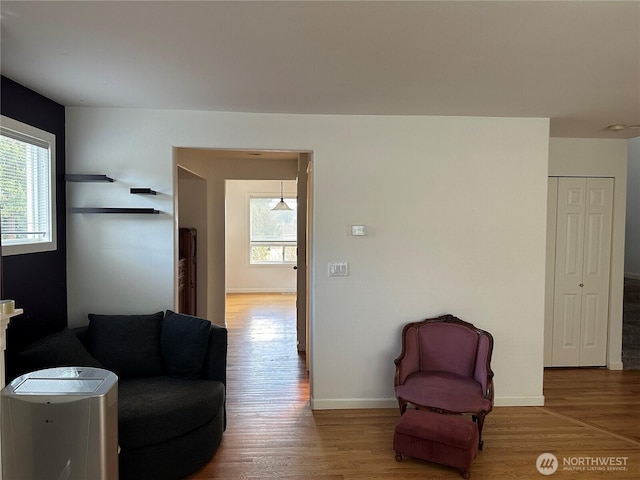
600,398
273,434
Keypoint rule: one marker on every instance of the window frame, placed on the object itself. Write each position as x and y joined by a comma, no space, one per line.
283,244
41,137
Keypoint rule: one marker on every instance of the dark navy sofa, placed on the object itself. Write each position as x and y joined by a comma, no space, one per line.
171,385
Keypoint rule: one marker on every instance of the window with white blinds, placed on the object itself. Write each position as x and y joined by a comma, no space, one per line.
27,190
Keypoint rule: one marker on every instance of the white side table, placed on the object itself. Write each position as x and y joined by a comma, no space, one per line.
4,323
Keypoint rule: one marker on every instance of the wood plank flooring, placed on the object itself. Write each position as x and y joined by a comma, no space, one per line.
273,434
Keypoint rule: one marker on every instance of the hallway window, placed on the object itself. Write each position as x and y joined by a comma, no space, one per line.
27,191
273,237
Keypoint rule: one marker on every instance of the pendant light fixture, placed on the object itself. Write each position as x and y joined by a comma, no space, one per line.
281,205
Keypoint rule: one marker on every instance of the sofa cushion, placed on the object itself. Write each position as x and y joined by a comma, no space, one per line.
128,345
60,349
184,340
152,410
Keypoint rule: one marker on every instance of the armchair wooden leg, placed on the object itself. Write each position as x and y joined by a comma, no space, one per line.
479,419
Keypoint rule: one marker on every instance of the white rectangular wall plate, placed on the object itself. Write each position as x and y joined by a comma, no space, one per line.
338,269
358,230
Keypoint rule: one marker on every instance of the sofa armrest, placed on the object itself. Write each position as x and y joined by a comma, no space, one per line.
215,360
83,334
60,349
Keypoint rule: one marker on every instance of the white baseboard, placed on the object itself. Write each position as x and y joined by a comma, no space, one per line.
633,276
615,366
361,403
520,401
261,290
351,403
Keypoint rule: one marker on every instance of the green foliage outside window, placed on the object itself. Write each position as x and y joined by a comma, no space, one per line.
24,190
13,185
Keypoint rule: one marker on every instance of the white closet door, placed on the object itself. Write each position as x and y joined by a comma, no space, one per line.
581,291
568,272
596,278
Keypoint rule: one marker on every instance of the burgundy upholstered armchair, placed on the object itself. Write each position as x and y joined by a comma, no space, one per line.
445,366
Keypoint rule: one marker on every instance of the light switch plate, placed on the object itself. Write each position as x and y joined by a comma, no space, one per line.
358,230
338,269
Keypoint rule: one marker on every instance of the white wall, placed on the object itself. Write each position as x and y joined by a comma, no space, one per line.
240,275
632,243
455,209
596,158
118,263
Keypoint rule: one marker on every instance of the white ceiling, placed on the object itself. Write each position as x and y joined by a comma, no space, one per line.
575,62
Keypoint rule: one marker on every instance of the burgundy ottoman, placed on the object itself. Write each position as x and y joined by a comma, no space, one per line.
449,440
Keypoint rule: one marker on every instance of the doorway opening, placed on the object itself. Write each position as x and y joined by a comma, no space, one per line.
219,169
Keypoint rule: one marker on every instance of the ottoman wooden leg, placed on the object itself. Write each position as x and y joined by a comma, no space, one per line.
398,457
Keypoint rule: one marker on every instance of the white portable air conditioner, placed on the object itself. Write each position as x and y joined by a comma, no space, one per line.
60,424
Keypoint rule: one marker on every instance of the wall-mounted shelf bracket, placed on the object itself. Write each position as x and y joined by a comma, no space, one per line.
114,210
142,191
72,177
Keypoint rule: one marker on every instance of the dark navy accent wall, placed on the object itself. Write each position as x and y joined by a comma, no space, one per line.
37,281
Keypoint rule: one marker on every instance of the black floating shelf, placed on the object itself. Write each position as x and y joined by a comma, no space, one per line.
143,191
113,210
87,178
